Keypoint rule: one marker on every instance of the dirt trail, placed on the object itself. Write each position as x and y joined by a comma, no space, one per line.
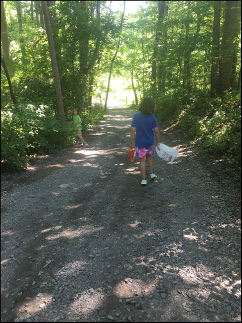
83,241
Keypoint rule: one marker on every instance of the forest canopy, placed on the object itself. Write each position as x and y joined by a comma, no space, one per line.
61,55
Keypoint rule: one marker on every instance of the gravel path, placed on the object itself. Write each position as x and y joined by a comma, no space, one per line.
83,241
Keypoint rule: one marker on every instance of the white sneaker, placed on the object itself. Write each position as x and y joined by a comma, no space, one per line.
152,175
144,182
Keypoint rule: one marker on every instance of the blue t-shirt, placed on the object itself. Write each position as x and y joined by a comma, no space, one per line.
144,125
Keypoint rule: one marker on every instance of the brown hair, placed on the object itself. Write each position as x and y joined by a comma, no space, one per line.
147,106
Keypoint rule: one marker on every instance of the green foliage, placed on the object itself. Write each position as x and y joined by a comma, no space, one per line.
13,141
170,105
90,118
220,132
31,130
214,125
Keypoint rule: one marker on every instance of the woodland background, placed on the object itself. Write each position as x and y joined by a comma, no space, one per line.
60,55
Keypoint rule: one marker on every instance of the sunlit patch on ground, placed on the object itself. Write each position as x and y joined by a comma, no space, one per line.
8,233
33,305
183,151
132,170
190,237
190,233
135,224
58,227
70,234
88,301
71,207
71,268
4,261
228,284
133,287
195,274
88,152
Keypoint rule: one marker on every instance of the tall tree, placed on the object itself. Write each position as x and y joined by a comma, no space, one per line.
228,47
20,26
5,39
215,48
161,35
55,70
190,45
94,58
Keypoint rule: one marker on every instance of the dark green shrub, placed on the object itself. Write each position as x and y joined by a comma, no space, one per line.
13,142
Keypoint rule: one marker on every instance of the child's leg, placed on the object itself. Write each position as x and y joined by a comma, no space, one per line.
142,167
150,163
79,135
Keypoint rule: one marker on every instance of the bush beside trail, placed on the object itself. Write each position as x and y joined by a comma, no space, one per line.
34,130
213,125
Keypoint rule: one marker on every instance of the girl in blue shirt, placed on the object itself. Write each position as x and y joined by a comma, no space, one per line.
143,128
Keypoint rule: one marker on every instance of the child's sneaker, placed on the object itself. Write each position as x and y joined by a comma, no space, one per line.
144,182
152,175
84,144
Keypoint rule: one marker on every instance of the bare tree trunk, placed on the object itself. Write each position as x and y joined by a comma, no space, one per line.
94,59
230,32
160,37
187,57
239,80
215,48
32,11
20,27
133,87
60,107
5,40
36,5
9,82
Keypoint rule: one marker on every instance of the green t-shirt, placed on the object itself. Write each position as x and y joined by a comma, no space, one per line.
77,119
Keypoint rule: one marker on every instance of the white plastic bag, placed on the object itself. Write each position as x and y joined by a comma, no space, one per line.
166,153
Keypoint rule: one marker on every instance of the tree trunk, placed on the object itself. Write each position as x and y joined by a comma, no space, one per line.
20,27
90,92
230,33
94,59
239,81
9,82
36,6
215,48
153,71
190,48
233,71
5,40
133,87
160,38
82,79
60,107
32,11
113,59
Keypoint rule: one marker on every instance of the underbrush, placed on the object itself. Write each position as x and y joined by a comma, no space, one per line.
212,124
34,130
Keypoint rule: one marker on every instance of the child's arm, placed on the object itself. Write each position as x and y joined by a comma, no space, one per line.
156,131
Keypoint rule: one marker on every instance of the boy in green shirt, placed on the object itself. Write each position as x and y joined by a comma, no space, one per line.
77,123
